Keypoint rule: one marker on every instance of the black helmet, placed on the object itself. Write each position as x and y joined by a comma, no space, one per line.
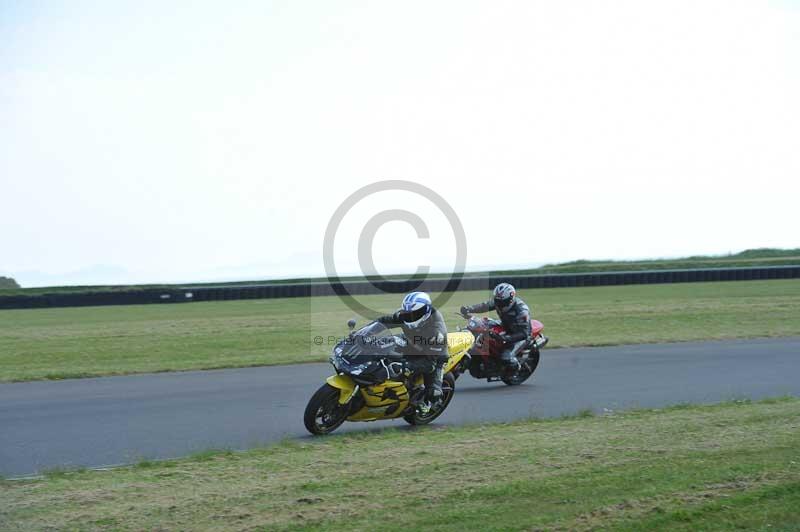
504,296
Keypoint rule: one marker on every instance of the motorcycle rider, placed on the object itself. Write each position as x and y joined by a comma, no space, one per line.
515,317
426,336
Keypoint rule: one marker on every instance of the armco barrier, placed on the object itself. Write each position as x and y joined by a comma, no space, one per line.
269,291
87,299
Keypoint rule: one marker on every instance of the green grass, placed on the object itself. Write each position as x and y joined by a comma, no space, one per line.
747,258
723,467
93,341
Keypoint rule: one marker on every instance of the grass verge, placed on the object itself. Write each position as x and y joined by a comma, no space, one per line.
95,341
735,465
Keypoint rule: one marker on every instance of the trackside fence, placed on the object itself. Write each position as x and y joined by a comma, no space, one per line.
471,282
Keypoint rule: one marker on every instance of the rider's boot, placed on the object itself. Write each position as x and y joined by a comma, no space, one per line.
433,384
416,391
510,360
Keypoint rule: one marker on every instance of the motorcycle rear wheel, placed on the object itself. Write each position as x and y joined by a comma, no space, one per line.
525,371
323,413
448,389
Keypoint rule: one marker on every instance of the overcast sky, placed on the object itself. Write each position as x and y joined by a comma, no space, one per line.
169,141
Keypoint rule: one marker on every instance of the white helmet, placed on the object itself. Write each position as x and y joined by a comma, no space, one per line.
504,296
416,309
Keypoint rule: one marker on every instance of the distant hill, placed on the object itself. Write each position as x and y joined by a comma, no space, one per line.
747,258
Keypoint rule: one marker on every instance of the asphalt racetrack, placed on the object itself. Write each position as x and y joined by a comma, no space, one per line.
117,420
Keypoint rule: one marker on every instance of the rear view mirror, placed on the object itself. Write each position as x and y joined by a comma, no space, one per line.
351,324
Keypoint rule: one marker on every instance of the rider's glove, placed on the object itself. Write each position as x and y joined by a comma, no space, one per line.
464,311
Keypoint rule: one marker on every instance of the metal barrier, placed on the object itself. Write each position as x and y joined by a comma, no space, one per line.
470,282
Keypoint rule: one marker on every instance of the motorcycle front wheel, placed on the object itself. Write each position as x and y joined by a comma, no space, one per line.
525,371
323,413
448,389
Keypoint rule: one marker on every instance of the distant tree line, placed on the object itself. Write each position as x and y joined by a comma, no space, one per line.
8,282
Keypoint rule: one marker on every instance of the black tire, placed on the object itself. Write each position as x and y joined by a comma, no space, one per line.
525,371
323,413
448,390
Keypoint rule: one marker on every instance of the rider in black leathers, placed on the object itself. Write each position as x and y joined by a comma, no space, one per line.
515,317
426,336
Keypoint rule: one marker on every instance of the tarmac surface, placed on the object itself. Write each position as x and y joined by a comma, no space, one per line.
116,420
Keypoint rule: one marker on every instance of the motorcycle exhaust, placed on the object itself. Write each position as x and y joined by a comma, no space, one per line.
541,342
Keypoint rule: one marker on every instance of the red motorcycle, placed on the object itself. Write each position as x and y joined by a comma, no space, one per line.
483,359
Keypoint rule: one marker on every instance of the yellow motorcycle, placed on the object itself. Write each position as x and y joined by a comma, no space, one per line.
372,381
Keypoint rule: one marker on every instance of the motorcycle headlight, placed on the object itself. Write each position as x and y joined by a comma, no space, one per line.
336,356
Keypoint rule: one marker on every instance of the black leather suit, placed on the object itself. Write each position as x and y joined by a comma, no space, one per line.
516,321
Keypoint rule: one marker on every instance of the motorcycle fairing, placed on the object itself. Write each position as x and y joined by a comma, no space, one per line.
390,399
458,343
382,401
345,385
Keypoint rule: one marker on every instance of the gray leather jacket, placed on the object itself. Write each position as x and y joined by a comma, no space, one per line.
429,339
